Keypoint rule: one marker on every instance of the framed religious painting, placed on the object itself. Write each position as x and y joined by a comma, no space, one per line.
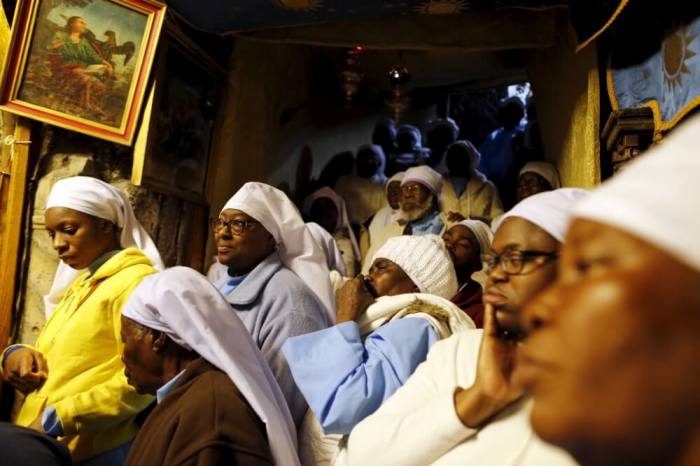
82,65
176,138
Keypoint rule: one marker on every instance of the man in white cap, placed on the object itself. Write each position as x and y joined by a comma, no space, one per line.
218,402
387,322
611,357
278,279
460,406
419,212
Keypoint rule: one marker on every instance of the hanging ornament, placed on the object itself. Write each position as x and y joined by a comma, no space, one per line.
352,74
398,101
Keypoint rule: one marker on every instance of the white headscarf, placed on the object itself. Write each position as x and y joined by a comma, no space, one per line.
189,309
343,219
329,246
426,176
656,197
296,246
546,170
481,231
474,154
412,130
550,210
99,199
379,176
425,260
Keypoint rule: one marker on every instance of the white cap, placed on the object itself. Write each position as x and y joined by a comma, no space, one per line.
425,176
656,197
425,260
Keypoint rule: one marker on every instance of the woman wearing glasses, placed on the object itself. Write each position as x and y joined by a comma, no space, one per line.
462,395
278,280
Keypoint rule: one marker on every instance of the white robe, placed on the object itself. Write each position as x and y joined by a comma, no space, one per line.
479,200
418,425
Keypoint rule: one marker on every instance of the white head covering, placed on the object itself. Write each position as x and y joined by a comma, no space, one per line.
329,246
397,177
99,199
343,219
296,245
550,210
481,231
188,308
426,176
655,198
379,176
474,154
546,170
425,260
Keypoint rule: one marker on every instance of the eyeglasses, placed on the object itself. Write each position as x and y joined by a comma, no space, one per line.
234,226
516,262
412,189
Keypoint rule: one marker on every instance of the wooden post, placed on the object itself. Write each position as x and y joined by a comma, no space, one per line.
15,164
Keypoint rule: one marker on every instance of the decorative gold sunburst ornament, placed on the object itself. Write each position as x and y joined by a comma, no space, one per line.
442,7
300,5
675,53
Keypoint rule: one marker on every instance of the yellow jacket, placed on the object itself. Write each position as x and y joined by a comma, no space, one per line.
82,346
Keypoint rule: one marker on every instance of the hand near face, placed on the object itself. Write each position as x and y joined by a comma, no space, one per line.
352,300
455,217
26,370
493,389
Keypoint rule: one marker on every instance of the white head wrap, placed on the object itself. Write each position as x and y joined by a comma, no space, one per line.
188,308
99,199
481,231
329,246
474,154
546,170
388,123
426,176
379,175
343,219
297,247
655,198
550,210
425,260
396,177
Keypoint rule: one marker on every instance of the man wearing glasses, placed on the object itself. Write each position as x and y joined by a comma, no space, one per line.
419,210
463,394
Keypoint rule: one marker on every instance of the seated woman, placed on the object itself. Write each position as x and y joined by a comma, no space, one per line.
218,402
326,208
386,323
73,377
467,241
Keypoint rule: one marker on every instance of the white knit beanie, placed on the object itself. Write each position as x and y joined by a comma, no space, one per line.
426,262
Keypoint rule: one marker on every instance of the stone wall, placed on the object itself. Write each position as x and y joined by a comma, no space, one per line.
168,220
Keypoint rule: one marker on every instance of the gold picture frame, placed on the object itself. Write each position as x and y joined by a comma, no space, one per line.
82,65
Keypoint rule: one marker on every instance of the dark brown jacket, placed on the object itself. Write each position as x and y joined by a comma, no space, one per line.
203,421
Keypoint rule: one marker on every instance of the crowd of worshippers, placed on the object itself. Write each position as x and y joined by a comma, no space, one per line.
566,332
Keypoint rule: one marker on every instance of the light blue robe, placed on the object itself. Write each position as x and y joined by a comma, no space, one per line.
345,379
274,304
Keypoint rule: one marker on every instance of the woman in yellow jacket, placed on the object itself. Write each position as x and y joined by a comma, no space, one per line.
73,377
